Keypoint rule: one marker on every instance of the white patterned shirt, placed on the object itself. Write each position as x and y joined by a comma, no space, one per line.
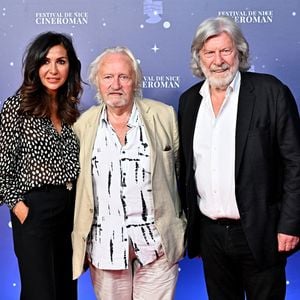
124,211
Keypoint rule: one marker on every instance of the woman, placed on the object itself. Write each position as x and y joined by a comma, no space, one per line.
39,166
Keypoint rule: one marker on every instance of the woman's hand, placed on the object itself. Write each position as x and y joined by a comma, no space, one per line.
21,211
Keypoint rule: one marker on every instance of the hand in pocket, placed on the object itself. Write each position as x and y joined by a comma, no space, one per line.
21,211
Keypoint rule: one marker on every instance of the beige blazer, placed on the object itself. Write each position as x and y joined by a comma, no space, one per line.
162,133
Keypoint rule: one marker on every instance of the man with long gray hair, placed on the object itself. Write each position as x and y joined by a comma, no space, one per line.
240,168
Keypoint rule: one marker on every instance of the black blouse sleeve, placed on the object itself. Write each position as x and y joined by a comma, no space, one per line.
10,128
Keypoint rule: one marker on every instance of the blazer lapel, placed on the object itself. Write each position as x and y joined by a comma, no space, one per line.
89,140
189,129
147,117
244,115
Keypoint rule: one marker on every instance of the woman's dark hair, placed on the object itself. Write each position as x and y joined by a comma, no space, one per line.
35,99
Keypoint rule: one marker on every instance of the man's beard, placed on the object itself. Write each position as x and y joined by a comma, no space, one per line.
122,102
226,77
114,102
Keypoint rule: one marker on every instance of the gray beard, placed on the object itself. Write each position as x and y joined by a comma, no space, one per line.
220,83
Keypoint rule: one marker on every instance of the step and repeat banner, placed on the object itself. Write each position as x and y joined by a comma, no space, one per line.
159,33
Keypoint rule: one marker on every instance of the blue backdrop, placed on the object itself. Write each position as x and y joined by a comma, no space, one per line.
159,33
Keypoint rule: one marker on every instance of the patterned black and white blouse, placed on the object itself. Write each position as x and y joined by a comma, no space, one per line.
33,153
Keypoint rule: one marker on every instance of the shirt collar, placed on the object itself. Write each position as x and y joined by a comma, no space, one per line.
132,122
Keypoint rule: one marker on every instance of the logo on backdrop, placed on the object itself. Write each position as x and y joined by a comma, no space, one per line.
61,18
161,82
249,16
153,9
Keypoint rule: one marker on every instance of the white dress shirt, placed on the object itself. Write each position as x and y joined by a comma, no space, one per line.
214,153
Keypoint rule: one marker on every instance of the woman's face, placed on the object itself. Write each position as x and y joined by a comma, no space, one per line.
54,71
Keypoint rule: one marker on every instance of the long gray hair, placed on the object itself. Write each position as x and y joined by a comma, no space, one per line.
213,27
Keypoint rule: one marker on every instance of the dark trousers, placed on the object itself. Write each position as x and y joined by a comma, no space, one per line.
230,269
43,245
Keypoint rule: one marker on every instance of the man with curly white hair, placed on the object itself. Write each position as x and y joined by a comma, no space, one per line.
129,225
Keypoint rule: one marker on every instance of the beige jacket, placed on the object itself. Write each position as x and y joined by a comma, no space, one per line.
162,133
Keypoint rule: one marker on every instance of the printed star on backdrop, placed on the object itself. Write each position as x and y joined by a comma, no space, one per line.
155,48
